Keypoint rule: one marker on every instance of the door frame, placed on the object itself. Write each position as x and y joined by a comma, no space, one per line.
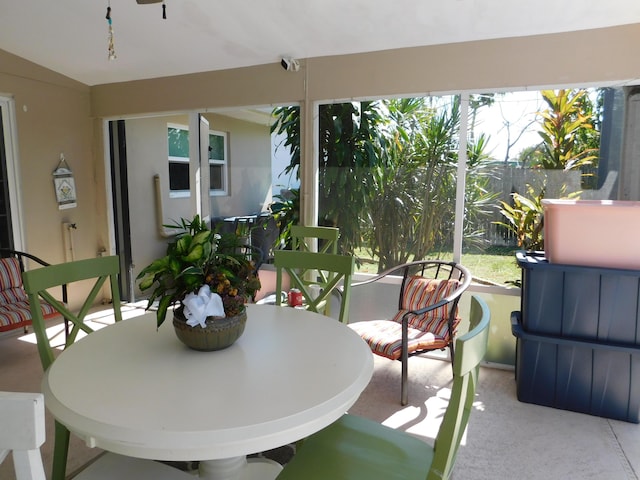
119,221
10,137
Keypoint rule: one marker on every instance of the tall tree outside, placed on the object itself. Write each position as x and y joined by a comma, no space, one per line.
351,138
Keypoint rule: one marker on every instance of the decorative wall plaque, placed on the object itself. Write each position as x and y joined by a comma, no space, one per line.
64,185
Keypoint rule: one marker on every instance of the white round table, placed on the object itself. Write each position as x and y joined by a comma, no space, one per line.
131,389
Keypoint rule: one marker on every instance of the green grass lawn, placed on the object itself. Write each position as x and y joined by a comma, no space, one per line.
495,268
498,269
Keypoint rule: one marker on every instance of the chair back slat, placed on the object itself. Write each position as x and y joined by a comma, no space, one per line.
475,340
300,236
470,350
303,269
37,281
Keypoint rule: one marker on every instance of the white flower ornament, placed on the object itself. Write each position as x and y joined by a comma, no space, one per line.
197,307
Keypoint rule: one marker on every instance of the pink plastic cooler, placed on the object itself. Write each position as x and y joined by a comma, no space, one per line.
598,233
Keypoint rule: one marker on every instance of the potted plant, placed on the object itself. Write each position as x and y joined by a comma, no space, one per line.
207,277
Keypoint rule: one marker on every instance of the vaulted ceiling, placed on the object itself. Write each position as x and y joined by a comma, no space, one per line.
71,36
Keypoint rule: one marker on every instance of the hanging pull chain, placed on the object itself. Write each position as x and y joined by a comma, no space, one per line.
164,11
110,45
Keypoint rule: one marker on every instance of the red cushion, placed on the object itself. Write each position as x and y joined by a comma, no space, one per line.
14,305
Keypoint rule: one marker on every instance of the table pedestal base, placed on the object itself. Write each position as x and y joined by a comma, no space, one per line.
239,468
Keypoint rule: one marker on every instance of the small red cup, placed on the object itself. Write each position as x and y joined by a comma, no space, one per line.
294,297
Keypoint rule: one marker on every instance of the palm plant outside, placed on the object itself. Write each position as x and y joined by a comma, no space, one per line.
351,140
411,200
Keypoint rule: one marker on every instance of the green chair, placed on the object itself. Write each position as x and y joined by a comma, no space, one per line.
300,240
327,242
36,283
318,276
327,236
354,448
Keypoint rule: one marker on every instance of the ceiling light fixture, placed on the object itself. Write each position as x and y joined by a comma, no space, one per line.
110,43
146,2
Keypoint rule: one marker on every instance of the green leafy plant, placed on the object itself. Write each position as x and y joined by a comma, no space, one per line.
350,138
563,129
198,256
286,211
525,219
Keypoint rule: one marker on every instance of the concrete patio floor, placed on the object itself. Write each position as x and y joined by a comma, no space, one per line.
505,438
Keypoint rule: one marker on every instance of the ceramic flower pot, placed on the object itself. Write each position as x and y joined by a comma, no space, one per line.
218,333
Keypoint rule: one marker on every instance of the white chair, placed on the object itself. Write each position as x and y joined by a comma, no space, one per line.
22,431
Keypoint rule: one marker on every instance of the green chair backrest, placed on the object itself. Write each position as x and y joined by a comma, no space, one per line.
317,276
37,281
300,236
470,350
327,237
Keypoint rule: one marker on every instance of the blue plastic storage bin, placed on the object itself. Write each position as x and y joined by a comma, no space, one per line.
582,376
583,303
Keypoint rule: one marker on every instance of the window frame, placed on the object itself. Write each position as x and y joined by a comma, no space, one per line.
223,163
182,193
459,239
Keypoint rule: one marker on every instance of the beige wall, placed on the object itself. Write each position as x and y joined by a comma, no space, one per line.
261,85
52,116
147,154
575,58
249,164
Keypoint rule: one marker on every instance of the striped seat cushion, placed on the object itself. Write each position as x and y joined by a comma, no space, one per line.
385,338
14,306
13,315
10,274
421,292
12,295
429,331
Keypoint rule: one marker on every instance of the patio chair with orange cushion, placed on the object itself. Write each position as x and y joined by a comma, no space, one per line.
14,305
427,316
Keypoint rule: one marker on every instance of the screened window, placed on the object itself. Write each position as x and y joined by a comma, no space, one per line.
178,142
218,163
521,147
